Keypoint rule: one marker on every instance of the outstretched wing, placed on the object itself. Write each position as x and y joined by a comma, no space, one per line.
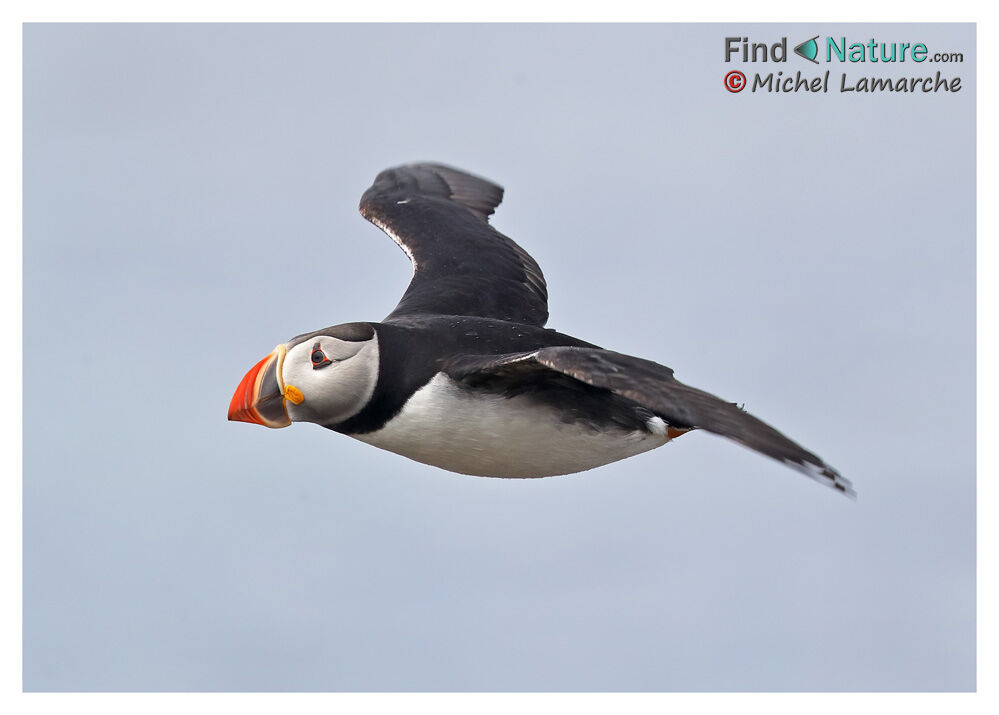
653,386
461,264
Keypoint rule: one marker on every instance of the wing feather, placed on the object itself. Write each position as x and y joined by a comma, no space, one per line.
461,265
653,386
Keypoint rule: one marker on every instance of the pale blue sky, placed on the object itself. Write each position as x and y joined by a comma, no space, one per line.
190,200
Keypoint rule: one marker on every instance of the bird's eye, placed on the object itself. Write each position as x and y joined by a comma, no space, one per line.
319,358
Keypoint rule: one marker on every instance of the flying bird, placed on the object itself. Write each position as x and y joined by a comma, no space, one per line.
463,375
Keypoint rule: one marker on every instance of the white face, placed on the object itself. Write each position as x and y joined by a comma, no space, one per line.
334,378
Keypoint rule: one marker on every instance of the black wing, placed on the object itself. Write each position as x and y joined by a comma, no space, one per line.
461,264
653,386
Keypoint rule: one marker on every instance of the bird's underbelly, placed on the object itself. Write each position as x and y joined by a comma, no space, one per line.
488,435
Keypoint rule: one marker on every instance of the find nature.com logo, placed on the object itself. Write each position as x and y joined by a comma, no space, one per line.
872,52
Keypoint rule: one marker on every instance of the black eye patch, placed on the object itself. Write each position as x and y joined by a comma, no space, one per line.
319,358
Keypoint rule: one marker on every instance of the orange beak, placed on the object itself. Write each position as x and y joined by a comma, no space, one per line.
259,397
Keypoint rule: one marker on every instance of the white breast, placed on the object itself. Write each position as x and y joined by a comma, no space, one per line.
448,426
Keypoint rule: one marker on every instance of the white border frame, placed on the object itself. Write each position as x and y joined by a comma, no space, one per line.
13,701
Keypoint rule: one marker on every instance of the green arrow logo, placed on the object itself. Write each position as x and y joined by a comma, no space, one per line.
808,49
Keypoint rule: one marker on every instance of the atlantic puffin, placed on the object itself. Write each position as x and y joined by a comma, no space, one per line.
464,376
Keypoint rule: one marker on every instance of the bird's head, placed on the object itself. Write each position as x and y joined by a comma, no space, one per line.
324,377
